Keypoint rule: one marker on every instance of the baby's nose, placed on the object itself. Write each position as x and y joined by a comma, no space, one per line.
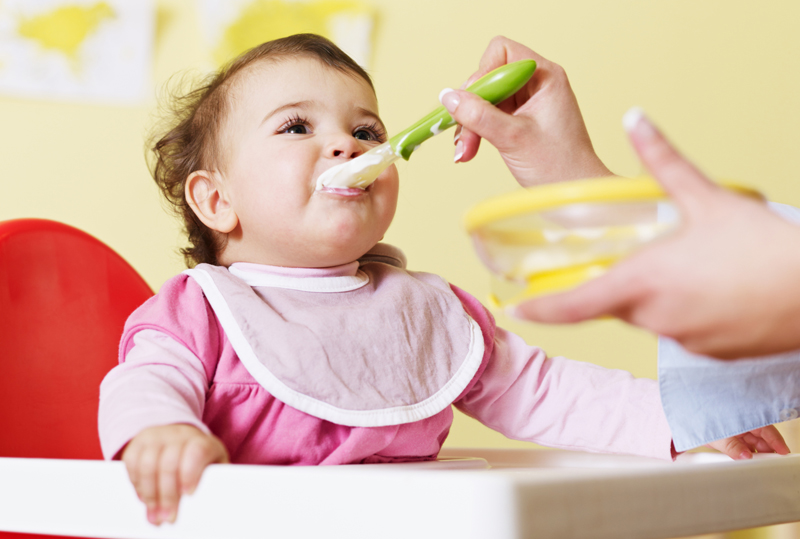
344,146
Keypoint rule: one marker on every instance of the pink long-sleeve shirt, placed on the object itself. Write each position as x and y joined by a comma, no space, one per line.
178,366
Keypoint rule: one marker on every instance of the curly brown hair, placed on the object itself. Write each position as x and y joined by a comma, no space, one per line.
188,140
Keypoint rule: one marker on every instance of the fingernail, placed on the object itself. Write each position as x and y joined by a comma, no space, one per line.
632,117
745,455
459,151
513,311
635,121
152,517
457,137
449,98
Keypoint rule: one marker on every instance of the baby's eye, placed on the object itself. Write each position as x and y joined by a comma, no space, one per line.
363,134
296,125
369,133
297,129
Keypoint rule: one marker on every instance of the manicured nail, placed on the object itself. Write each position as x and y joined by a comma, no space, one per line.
636,122
457,137
459,151
449,98
632,117
444,91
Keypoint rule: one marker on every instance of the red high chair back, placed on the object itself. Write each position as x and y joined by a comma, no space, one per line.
64,298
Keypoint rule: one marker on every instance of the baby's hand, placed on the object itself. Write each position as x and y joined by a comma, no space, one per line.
165,462
764,440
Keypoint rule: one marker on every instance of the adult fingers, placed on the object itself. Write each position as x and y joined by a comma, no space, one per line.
199,453
755,443
734,447
773,438
482,119
680,179
501,51
496,55
608,294
467,144
168,489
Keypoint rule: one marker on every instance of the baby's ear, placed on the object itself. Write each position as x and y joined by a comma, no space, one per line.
207,198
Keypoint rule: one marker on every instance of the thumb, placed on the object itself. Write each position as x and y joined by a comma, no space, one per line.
682,181
481,117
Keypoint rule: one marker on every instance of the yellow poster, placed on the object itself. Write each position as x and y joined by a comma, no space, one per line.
233,26
88,50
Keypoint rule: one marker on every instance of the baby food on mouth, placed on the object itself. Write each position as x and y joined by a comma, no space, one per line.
359,172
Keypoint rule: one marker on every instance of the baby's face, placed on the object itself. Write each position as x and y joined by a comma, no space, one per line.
290,121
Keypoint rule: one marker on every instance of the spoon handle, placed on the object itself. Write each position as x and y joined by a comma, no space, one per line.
494,87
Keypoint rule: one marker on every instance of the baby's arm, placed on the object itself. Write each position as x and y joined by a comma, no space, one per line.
569,404
150,412
557,402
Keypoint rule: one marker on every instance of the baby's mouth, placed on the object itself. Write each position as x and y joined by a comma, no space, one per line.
344,191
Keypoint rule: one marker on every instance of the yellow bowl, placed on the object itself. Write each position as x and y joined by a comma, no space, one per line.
553,237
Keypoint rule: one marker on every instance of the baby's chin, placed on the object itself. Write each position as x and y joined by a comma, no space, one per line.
337,254
351,232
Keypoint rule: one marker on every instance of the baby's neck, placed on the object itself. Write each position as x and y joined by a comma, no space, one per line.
344,270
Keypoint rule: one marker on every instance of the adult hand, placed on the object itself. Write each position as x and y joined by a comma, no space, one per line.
539,131
725,284
764,440
166,462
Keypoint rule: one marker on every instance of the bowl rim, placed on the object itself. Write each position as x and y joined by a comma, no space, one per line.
551,195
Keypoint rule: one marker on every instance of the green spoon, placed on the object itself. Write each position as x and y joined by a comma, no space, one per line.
360,172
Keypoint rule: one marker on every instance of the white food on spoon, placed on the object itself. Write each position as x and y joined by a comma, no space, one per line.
359,172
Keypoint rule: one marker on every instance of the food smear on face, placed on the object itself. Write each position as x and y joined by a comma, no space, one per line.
359,172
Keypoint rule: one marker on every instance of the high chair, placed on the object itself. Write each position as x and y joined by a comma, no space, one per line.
64,298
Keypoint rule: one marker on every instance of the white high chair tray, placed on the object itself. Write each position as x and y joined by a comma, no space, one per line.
471,493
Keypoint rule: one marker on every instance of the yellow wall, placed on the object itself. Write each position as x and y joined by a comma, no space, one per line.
719,76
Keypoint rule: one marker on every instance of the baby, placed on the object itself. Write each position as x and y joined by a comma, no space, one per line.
297,338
